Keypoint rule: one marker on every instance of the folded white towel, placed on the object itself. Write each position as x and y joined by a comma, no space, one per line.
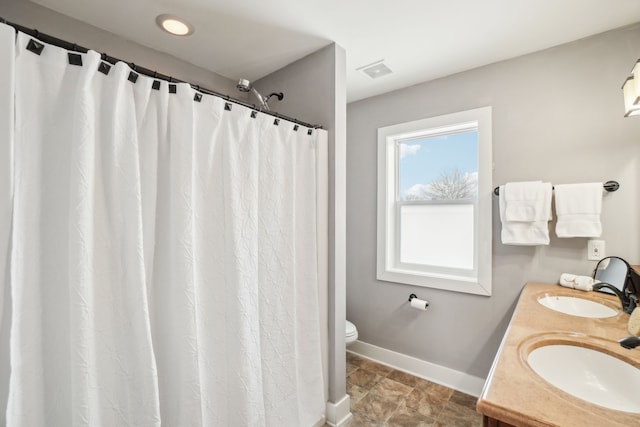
527,233
527,201
578,207
583,283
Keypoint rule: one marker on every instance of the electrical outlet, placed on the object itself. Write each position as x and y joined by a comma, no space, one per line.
595,250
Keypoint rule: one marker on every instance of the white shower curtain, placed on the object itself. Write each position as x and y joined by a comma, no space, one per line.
163,258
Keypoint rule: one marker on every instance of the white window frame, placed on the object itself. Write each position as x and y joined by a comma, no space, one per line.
389,267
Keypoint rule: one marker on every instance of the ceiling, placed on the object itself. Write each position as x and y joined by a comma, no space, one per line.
419,40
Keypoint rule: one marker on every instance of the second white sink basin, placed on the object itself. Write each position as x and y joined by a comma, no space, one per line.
589,374
577,306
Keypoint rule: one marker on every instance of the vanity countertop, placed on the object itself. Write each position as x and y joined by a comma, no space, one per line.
514,394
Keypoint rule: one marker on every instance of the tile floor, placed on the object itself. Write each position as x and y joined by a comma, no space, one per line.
384,397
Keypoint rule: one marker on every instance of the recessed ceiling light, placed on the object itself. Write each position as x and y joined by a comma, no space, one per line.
174,25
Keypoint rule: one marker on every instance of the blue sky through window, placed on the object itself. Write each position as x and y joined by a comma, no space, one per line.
421,161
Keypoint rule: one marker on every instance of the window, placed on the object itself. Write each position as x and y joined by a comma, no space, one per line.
434,202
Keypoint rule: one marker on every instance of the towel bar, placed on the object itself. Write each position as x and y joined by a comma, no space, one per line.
610,186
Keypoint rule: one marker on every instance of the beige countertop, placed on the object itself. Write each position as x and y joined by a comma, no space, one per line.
514,394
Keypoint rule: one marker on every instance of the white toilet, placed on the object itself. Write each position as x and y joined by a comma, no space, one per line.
351,333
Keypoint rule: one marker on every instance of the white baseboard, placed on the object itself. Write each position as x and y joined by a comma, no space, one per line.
339,414
420,368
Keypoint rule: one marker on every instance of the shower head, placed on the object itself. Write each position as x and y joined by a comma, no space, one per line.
244,85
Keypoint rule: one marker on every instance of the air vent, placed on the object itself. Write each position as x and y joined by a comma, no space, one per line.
376,69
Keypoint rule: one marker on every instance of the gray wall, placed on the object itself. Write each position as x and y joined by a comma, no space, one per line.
315,91
557,116
45,20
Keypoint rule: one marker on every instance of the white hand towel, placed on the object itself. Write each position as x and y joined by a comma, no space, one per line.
578,207
583,283
527,201
527,233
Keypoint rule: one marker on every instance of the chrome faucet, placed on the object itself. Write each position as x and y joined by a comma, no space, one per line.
628,300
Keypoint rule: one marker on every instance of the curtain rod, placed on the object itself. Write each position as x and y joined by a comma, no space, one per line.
46,38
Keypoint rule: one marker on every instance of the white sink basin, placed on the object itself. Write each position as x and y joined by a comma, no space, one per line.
577,306
589,375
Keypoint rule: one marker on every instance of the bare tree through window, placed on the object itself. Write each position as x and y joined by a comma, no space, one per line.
450,185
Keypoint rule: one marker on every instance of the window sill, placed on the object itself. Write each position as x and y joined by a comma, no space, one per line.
446,282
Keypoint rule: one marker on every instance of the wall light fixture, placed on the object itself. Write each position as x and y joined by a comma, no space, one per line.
631,92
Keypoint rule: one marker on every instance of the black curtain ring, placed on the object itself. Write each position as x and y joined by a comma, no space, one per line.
133,66
155,74
170,79
37,34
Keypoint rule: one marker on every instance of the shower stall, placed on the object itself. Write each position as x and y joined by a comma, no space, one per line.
166,249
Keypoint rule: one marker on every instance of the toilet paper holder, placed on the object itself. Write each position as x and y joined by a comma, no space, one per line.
422,304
